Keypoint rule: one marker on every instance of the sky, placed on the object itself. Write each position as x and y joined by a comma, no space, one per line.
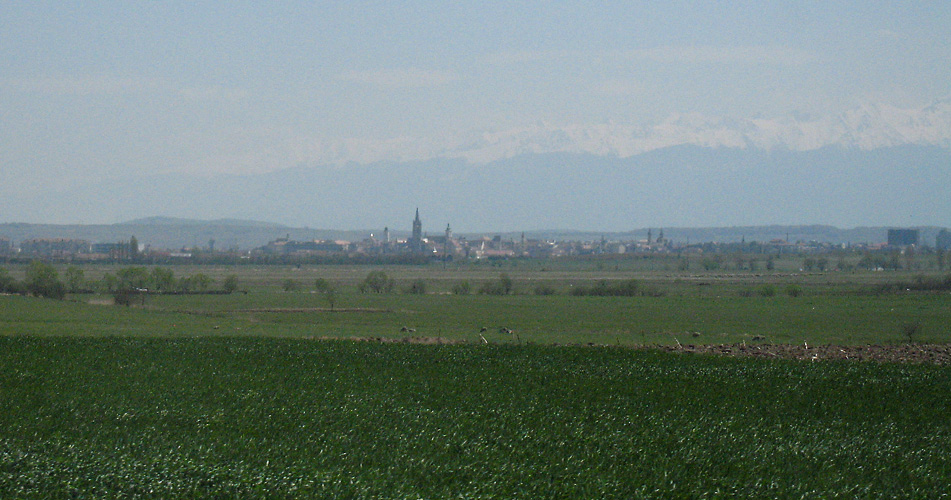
100,90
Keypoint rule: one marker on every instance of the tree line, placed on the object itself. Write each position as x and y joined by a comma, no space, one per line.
43,280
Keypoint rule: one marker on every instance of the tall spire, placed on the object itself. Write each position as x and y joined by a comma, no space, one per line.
416,243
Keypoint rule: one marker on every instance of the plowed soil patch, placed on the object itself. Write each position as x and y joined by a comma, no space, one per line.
402,340
905,353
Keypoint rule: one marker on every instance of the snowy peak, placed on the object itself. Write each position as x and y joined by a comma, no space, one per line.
873,126
866,127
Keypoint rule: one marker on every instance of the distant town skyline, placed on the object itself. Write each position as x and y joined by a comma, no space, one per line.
178,238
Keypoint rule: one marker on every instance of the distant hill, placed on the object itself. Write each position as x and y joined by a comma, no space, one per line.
171,233
822,234
680,186
179,222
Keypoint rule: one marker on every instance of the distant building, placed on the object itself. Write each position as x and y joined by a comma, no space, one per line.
943,240
109,248
902,237
53,247
121,250
286,246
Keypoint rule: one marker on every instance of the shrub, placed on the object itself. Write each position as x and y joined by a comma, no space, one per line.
328,290
133,277
376,282
42,280
768,291
910,330
544,289
491,288
201,281
503,286
230,285
162,279
710,265
290,285
793,290
508,286
321,284
624,288
463,288
128,296
919,284
184,284
108,283
417,287
75,279
7,282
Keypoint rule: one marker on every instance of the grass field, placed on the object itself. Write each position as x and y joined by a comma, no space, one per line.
724,318
234,396
253,417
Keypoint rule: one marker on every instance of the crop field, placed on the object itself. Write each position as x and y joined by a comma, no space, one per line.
545,391
252,417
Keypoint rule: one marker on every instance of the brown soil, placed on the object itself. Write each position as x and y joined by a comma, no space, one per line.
402,340
311,309
905,353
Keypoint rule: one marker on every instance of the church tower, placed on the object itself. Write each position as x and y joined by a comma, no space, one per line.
447,245
416,242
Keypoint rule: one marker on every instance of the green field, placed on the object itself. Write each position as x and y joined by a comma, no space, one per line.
537,319
252,417
237,396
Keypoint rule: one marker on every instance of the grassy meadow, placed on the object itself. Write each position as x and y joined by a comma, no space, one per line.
783,305
237,396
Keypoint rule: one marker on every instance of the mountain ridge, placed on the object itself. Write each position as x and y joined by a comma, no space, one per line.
679,186
160,220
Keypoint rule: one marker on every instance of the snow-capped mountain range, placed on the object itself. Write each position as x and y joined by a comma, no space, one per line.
872,166
867,127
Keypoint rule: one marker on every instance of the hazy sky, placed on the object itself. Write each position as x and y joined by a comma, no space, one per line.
108,88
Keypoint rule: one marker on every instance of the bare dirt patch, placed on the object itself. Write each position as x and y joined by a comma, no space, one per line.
313,309
904,353
402,340
939,354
